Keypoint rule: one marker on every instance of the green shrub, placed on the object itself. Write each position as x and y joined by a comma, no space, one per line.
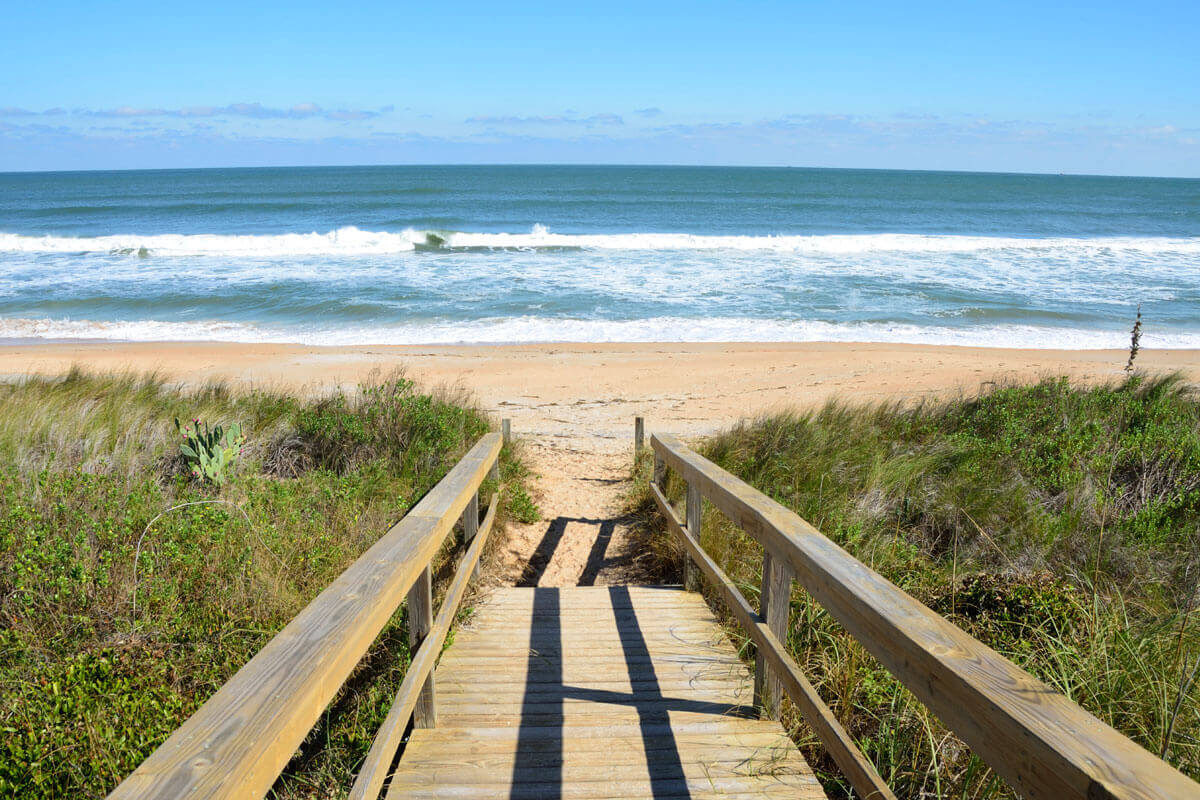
522,508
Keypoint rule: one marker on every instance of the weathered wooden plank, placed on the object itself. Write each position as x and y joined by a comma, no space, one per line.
648,621
582,674
793,786
470,524
1044,745
632,761
571,661
695,524
408,699
491,685
600,766
580,618
608,729
586,714
590,703
774,607
619,743
570,599
420,620
614,656
235,745
649,626
604,791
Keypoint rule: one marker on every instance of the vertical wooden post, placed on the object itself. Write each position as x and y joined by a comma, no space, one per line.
774,605
420,620
470,526
695,512
506,430
639,436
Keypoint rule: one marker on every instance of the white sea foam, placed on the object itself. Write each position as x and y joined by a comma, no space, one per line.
529,329
343,241
353,241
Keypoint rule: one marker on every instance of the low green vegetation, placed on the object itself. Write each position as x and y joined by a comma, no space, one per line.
134,581
1059,524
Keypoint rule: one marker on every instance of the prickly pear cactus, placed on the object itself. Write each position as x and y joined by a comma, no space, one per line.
210,452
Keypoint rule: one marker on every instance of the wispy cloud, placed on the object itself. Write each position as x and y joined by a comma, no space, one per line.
562,119
249,133
242,110
653,111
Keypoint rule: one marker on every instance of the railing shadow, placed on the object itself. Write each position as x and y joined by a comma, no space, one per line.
538,768
597,559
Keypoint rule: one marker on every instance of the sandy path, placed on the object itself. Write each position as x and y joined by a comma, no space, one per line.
582,538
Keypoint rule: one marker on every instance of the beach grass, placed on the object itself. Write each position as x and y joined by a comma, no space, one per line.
130,591
1057,523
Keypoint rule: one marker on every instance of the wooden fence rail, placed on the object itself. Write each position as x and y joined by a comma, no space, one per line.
1044,745
239,741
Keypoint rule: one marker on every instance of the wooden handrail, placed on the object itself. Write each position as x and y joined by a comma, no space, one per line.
856,766
1041,743
239,741
387,740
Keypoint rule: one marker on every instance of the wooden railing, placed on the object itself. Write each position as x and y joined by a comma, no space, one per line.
1040,742
237,743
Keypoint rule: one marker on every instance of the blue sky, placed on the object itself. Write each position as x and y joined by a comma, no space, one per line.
1102,87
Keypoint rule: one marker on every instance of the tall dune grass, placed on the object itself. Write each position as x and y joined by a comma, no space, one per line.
105,648
1059,524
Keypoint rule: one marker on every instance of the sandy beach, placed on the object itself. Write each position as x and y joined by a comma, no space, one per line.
593,391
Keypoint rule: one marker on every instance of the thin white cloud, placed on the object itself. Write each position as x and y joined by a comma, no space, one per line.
244,110
563,119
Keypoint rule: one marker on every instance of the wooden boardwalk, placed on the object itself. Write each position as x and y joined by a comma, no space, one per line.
624,691
595,692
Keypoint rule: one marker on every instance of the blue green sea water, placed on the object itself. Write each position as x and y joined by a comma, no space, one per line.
377,255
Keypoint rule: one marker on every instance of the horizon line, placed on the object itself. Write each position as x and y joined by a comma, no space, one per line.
673,165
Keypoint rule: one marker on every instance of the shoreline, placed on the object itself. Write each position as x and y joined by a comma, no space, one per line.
568,391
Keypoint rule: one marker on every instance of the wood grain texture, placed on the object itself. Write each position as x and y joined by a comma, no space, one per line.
235,745
420,620
854,765
1040,742
695,524
643,711
470,523
373,772
774,607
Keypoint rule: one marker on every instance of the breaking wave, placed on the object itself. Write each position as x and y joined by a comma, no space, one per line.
350,241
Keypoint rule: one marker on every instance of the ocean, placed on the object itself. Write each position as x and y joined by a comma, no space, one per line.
500,254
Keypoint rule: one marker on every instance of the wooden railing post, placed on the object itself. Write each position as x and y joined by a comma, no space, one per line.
695,513
639,436
506,430
420,620
470,525
774,607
